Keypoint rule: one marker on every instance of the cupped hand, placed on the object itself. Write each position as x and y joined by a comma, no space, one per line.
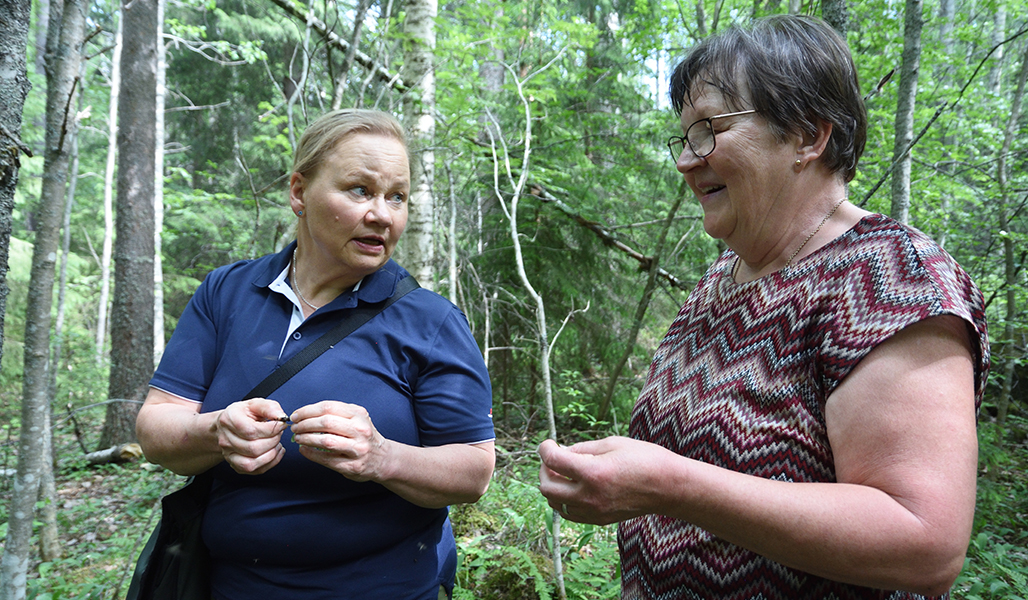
250,435
604,481
342,437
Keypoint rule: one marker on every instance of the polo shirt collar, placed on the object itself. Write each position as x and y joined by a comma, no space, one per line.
373,288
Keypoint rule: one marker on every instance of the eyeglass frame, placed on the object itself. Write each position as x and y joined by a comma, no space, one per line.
684,139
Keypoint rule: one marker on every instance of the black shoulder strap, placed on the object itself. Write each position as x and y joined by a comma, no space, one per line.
348,325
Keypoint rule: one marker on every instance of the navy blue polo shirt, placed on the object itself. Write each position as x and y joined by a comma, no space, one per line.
301,530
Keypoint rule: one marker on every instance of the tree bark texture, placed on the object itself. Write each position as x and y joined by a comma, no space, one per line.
132,312
14,86
905,102
158,195
62,73
1012,266
418,248
103,306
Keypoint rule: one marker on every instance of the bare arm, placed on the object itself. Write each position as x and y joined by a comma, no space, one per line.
175,434
342,437
902,430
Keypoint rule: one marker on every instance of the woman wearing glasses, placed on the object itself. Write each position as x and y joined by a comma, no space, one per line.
807,429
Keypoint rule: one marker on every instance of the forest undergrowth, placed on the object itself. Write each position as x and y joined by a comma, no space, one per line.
106,512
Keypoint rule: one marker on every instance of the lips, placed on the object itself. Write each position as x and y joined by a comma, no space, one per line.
371,242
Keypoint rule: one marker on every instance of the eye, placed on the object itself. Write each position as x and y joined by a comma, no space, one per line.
360,190
397,198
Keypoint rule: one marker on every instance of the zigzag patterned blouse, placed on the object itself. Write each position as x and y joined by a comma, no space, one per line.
740,381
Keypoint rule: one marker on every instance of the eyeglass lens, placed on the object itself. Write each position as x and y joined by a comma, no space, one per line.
701,137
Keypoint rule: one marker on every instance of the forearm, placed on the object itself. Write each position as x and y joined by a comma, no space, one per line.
844,532
177,438
438,476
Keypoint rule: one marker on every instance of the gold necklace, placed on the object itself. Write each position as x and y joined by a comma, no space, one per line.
788,263
296,284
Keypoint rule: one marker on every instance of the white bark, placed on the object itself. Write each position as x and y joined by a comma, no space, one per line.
62,69
108,243
907,93
418,251
158,191
517,189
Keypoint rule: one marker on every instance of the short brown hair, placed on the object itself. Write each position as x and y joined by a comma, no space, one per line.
797,71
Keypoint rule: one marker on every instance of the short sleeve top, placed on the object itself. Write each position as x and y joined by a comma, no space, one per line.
741,379
415,367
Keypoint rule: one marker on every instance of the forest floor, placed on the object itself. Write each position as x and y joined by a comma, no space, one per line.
106,512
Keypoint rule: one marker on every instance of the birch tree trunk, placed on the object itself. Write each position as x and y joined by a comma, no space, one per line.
108,241
517,189
913,23
62,72
947,15
14,86
1012,269
418,247
132,311
49,543
158,192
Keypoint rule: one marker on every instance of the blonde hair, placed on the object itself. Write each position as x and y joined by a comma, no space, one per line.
329,129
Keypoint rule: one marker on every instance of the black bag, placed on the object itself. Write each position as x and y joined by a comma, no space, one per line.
175,564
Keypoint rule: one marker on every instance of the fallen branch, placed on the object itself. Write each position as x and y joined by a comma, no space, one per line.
115,454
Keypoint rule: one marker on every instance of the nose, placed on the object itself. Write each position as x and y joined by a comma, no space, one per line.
687,160
379,212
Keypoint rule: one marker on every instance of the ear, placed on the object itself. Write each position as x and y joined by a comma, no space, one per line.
811,146
297,182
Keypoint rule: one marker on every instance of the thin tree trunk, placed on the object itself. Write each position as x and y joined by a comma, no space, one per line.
351,52
158,192
947,15
1012,270
913,22
644,303
49,543
112,154
132,311
62,71
418,247
518,187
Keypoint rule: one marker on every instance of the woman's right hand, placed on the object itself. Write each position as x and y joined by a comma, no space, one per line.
250,435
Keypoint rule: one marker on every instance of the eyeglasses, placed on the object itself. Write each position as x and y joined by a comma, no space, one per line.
699,136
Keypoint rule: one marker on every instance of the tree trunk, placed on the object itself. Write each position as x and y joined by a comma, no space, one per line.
947,16
836,14
644,303
1012,268
913,22
49,542
132,312
351,52
418,247
62,72
14,86
158,192
543,340
112,154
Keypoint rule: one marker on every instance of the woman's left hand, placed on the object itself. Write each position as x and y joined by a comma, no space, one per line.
342,437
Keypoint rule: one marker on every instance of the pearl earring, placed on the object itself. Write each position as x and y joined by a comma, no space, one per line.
799,163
